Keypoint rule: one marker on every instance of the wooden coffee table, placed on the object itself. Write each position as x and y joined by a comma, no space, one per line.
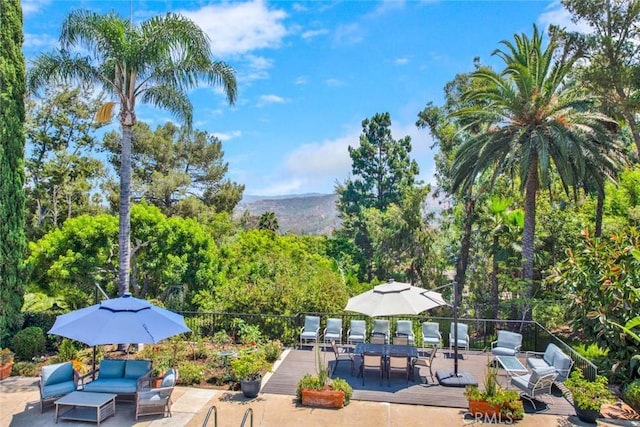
86,406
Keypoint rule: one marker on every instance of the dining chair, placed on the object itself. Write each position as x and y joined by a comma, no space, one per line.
311,329
398,363
357,331
400,340
381,326
341,355
372,362
427,362
377,339
463,337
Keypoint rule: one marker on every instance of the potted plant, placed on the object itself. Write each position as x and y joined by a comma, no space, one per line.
6,363
494,402
588,396
248,369
320,391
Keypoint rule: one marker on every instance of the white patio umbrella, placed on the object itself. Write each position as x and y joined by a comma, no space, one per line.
394,298
123,320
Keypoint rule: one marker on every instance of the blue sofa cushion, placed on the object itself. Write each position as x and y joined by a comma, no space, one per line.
112,385
57,373
58,389
134,369
111,368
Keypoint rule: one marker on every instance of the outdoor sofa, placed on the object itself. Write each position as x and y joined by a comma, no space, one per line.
552,357
118,376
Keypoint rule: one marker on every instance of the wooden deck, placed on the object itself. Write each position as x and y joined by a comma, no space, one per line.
299,362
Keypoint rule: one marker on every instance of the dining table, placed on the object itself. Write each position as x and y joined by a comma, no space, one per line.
386,349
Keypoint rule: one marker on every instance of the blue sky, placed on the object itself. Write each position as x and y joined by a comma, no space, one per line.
310,72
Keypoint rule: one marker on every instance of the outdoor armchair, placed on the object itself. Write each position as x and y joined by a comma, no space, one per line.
537,383
463,337
431,334
405,328
507,344
154,401
357,331
56,381
333,331
381,327
310,330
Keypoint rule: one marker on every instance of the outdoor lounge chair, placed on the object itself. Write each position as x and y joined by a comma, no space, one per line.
154,401
398,363
431,334
405,328
381,327
463,337
333,331
537,383
56,381
357,331
341,355
310,330
507,344
372,362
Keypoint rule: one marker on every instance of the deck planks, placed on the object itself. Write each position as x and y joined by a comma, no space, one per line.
299,362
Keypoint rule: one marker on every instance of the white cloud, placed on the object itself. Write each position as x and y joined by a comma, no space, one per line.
401,61
236,28
254,68
556,14
350,34
227,136
40,41
301,80
33,6
270,99
313,33
333,82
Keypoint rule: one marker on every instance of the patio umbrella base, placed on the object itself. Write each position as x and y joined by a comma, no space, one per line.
448,378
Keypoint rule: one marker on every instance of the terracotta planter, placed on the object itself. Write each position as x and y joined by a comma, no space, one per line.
326,398
5,370
481,407
156,383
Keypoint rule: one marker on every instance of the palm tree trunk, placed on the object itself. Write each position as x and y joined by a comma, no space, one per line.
599,212
528,234
495,301
124,236
465,246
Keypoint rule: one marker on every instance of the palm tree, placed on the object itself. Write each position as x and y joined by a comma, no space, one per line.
268,221
155,62
534,122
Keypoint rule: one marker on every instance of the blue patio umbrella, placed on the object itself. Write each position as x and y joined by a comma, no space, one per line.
123,320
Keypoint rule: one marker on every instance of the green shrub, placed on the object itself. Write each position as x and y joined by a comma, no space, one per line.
632,395
25,369
308,381
589,394
247,334
29,343
595,354
249,365
272,351
67,351
550,315
190,373
221,338
342,384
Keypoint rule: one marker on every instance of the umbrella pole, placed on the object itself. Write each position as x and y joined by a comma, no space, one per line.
455,329
93,370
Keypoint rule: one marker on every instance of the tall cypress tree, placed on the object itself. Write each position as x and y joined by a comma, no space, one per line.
12,141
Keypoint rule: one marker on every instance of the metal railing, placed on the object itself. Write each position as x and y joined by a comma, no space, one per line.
248,412
215,416
481,331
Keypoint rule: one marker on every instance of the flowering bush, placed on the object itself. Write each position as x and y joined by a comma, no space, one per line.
6,356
